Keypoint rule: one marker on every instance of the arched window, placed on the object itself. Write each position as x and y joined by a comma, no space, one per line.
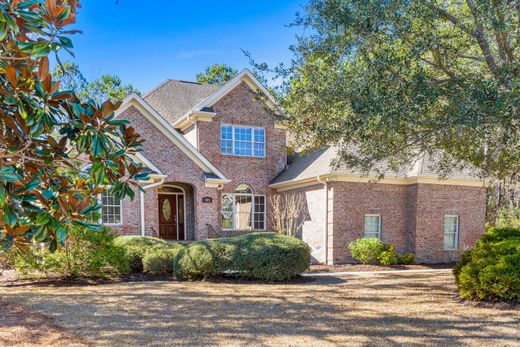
243,210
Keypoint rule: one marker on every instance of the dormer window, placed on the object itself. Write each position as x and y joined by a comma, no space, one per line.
242,141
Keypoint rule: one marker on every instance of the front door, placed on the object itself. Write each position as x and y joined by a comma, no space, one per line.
168,217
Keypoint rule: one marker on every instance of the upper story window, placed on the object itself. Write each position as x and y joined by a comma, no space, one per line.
242,141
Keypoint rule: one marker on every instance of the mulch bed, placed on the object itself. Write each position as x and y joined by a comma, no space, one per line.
319,268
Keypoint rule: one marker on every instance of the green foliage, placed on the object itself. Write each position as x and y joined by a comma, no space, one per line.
491,271
395,79
373,251
270,257
85,254
266,256
160,260
136,248
367,250
216,74
196,261
47,133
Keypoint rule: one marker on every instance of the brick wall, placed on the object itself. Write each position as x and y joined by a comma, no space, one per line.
242,106
411,217
179,168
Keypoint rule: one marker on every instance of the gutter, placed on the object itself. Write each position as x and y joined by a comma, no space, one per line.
141,200
326,226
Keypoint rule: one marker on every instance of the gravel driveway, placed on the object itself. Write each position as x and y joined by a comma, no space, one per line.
383,309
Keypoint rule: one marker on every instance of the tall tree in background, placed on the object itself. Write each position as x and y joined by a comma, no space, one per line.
46,133
394,79
106,87
216,74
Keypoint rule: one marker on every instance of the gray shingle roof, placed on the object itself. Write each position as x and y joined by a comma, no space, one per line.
172,99
318,163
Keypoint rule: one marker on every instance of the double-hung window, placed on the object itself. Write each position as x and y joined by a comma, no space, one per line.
373,226
451,232
242,141
243,210
111,208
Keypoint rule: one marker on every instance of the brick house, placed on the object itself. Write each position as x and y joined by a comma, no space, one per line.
216,154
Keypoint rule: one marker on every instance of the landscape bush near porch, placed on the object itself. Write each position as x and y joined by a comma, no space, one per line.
374,251
491,271
264,256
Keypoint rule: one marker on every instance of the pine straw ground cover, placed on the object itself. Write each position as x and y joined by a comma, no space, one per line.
377,309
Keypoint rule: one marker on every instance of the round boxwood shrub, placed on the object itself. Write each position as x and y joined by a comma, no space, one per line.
160,260
367,250
196,261
269,256
136,248
491,271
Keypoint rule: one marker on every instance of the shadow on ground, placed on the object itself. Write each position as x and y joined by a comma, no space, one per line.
385,309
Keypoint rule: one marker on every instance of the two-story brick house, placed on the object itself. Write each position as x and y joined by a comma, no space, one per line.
216,154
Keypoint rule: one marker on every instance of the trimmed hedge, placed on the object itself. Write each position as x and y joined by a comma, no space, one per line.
491,271
136,248
265,256
160,260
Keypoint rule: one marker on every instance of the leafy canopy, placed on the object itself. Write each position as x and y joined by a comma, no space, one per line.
46,133
395,79
106,87
216,74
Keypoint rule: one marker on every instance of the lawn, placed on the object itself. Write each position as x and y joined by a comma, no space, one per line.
380,309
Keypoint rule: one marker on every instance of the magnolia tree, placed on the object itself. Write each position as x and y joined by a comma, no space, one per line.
44,132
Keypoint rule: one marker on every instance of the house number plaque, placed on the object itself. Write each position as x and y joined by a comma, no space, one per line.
207,199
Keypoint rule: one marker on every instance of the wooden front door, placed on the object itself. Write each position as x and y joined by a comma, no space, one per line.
168,217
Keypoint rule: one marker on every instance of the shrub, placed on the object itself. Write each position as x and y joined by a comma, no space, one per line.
136,248
373,251
491,271
160,260
269,256
86,253
367,250
195,261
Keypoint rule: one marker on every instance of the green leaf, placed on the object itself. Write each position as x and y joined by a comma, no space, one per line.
8,174
90,226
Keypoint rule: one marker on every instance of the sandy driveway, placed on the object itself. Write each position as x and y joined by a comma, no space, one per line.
384,309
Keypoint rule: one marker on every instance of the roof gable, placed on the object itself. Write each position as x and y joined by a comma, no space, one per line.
212,173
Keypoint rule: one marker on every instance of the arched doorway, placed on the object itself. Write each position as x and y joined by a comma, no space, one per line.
172,212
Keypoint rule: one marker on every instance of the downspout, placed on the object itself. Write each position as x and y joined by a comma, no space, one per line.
141,201
326,226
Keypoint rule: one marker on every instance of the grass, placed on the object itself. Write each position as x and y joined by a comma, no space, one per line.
383,309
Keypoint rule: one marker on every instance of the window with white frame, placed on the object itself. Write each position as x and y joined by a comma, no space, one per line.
111,210
373,226
242,141
243,210
451,232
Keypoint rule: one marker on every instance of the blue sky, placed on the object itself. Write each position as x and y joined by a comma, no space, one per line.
146,42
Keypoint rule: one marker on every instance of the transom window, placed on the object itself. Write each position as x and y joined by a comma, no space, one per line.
451,232
111,210
243,210
242,141
373,226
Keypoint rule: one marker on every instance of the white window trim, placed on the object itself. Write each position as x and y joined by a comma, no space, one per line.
252,140
101,214
378,227
456,232
233,216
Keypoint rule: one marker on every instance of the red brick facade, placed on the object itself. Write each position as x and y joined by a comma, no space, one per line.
411,214
411,217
